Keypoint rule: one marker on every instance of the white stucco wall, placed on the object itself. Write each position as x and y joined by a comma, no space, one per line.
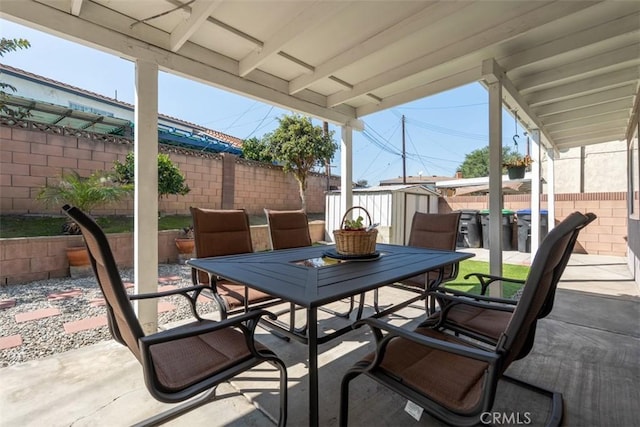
605,168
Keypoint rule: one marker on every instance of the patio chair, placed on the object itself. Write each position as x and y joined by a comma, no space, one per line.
181,363
433,231
484,318
226,232
452,378
288,229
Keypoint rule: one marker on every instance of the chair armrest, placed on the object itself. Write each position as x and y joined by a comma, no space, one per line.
167,293
180,333
192,298
452,294
394,331
484,283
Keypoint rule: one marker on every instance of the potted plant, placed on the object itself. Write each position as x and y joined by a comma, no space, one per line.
85,193
517,165
185,243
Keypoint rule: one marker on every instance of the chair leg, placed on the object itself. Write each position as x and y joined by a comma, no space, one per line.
555,415
343,419
178,410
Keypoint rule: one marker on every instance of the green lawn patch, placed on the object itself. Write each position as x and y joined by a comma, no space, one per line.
36,225
471,285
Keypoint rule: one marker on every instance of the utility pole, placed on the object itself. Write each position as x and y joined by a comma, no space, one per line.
404,155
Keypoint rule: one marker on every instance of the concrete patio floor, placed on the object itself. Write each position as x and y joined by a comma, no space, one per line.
588,348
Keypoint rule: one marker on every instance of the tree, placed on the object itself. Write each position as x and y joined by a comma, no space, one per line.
300,146
170,179
6,46
476,163
256,149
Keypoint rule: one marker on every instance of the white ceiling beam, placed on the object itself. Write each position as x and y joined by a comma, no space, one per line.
625,27
309,18
200,11
611,126
76,5
429,88
584,86
580,123
61,23
623,92
594,110
468,42
417,21
609,61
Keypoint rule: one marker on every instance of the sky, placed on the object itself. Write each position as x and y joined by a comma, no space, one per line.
439,130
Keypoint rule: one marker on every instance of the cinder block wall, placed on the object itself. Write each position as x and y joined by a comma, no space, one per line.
27,259
29,158
605,236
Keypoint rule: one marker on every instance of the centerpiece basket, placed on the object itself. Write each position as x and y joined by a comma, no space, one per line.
355,241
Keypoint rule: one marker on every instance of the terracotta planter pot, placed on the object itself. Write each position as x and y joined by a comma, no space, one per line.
185,245
78,256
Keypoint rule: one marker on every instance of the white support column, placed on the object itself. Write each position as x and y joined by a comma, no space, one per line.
535,192
146,192
346,173
551,192
494,86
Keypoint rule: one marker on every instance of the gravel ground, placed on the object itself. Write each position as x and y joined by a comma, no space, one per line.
44,337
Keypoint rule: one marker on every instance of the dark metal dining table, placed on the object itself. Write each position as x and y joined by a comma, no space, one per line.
294,276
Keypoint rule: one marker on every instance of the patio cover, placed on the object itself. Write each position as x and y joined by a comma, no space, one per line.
569,69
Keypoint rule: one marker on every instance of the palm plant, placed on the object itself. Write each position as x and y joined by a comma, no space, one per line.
86,193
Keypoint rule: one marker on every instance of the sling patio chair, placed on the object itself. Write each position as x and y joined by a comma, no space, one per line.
433,231
186,363
483,317
453,378
226,232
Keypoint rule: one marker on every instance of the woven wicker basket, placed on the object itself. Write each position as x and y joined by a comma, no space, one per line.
355,242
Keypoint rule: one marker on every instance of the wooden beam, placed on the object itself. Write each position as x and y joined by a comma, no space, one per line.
311,17
200,11
407,26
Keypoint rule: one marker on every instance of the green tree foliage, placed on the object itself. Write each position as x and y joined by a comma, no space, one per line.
85,193
6,46
257,149
476,163
300,146
170,179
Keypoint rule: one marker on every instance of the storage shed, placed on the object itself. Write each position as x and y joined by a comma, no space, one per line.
392,206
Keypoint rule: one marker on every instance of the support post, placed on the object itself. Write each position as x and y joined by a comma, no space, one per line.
493,76
535,192
346,173
551,191
146,192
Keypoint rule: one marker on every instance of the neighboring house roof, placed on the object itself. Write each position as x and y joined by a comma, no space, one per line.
467,186
411,189
415,180
47,108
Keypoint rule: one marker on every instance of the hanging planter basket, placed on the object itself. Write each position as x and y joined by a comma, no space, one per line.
516,172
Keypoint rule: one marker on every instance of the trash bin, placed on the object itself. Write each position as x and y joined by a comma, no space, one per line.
524,228
469,229
507,229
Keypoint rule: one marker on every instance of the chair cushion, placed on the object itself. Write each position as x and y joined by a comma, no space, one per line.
450,380
233,294
181,363
489,323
